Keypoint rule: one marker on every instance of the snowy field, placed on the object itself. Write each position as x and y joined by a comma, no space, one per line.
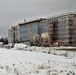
19,62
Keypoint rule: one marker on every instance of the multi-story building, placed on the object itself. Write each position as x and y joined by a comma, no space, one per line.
64,28
60,28
28,30
13,34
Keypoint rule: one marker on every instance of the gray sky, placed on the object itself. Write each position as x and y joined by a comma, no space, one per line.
14,11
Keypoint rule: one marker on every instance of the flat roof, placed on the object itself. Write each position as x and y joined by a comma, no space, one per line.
20,24
62,14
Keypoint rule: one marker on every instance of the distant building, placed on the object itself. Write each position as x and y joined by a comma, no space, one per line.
10,35
13,34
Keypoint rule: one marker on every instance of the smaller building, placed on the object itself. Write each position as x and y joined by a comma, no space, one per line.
10,35
13,34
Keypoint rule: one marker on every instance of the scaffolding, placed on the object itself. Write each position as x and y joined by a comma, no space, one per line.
63,28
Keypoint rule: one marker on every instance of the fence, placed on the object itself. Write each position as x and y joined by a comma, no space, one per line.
64,51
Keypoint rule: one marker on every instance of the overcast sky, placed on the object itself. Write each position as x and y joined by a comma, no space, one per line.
14,11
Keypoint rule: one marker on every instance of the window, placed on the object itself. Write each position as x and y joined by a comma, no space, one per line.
30,31
31,37
35,29
30,26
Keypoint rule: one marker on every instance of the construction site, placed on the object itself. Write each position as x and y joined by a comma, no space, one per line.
63,28
59,29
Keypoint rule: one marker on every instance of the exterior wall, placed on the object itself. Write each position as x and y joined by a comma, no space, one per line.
75,30
63,29
10,36
67,29
13,34
43,26
50,27
54,28
28,30
72,28
16,33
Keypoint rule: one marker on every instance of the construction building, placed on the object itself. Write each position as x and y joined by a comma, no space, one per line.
63,29
53,28
60,28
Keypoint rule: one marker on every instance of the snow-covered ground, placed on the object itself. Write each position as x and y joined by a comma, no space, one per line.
18,62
